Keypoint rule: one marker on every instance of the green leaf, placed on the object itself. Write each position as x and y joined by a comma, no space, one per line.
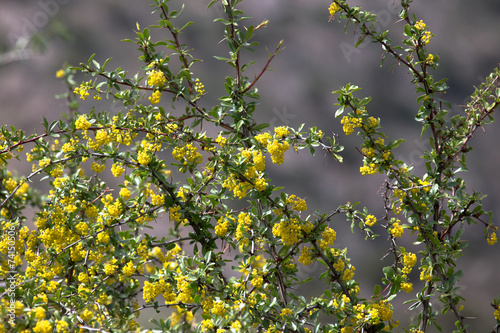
339,112
388,272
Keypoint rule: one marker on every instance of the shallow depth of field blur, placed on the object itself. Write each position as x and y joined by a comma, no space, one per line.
318,59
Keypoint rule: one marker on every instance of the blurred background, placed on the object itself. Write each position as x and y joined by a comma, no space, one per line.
38,37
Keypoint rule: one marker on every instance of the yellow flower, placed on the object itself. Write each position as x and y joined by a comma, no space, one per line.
157,78
82,123
407,286
236,325
297,203
155,97
492,238
117,169
328,236
221,140
372,122
430,59
370,220
368,169
43,326
396,230
97,167
277,151
306,257
286,312
263,138
334,7
43,163
125,193
281,132
221,227
218,308
409,259
420,25
143,158
39,313
199,87
83,89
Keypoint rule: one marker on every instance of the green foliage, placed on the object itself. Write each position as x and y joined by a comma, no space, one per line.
234,244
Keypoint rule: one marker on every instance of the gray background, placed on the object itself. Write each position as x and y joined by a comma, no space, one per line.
297,91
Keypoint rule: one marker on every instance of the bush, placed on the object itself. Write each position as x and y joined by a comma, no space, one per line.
235,241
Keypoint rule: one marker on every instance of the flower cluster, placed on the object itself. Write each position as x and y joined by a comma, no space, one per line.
156,79
409,260
396,229
334,7
369,169
426,36
90,250
350,123
296,203
199,87
252,175
83,89
187,154
276,147
288,230
370,220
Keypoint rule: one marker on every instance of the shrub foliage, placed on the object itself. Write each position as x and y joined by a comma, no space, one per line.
232,241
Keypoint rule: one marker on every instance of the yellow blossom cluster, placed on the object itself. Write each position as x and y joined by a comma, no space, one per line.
334,7
370,220
175,214
101,138
277,150
199,87
242,229
281,132
82,123
297,203
222,225
369,169
286,313
275,147
97,168
492,238
289,230
117,169
430,59
83,89
496,314
221,140
155,97
368,152
409,260
350,123
306,256
328,236
146,151
257,281
156,79
114,208
420,25
396,229
254,174
187,154
425,274
218,308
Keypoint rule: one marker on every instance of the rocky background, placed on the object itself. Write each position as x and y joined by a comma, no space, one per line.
318,59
